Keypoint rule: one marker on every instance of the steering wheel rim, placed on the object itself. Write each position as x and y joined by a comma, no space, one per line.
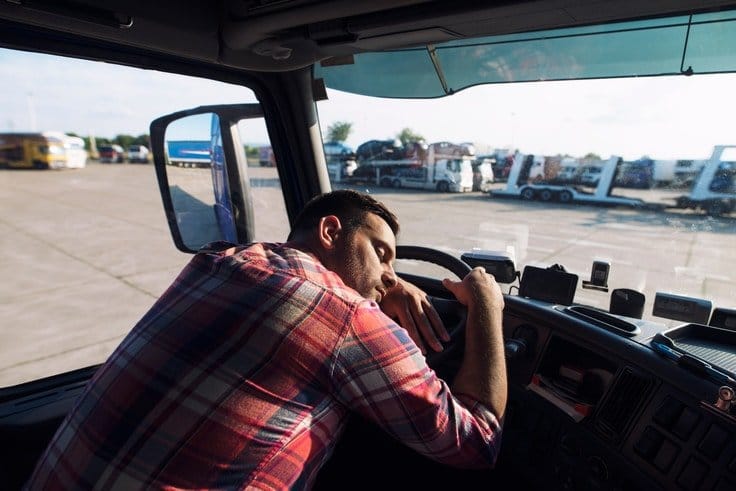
434,256
453,313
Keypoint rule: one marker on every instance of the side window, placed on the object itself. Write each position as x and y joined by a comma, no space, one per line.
269,211
86,249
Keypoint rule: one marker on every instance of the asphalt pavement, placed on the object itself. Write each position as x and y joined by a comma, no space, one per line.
87,252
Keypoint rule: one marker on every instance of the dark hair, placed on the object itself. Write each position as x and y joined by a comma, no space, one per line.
351,207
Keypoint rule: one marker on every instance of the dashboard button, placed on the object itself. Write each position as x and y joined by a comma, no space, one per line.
649,443
725,485
713,442
668,412
666,456
686,423
692,475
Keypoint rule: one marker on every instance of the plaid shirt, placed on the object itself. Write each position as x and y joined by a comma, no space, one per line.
243,374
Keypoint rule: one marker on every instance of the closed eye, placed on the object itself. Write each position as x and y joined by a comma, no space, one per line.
381,253
384,252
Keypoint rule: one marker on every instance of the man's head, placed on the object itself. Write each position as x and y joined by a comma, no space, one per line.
353,235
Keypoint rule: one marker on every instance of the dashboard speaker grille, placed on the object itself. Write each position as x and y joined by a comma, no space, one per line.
624,399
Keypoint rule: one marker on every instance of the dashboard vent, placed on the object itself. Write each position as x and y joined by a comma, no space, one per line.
621,405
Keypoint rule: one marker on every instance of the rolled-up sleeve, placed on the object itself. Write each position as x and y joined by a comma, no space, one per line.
380,373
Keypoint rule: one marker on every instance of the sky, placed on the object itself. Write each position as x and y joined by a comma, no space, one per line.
663,117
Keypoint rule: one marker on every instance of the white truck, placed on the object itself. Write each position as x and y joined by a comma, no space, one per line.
443,173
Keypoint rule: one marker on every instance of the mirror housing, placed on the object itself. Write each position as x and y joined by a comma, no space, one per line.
202,176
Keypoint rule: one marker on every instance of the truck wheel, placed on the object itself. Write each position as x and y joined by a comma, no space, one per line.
565,197
545,195
397,183
442,187
527,194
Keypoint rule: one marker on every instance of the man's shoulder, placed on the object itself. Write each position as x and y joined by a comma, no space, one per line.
284,260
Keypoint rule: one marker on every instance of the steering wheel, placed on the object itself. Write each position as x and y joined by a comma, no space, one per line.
453,313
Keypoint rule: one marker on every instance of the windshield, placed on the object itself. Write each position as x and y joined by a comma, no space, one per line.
455,165
638,223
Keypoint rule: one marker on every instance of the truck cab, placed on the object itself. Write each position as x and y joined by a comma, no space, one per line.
32,151
453,174
618,323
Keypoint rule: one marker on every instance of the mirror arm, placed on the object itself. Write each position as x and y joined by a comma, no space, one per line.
239,184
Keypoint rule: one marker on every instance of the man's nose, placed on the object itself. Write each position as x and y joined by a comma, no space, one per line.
389,277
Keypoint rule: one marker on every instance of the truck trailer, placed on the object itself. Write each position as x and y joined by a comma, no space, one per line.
713,191
518,186
439,172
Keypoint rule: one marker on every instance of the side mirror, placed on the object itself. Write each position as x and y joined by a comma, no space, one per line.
201,168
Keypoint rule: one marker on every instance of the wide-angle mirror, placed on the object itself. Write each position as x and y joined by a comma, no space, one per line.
197,178
201,164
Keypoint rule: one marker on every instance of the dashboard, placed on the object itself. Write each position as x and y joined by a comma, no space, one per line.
591,406
595,408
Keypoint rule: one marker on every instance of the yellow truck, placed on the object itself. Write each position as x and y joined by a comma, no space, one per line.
32,150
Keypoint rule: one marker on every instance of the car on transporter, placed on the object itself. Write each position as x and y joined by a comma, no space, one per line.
618,322
590,175
379,150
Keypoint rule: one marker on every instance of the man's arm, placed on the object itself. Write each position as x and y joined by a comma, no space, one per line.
408,305
379,372
482,374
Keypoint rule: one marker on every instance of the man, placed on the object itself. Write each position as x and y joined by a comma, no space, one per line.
243,373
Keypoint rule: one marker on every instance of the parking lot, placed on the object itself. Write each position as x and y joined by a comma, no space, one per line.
86,252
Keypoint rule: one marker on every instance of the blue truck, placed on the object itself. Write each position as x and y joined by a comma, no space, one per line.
189,153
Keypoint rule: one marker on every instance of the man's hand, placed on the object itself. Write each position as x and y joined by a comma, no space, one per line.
477,286
408,305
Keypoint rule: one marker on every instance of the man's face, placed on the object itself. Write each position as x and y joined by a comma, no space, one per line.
364,259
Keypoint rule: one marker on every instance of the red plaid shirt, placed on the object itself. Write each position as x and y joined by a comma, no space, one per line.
243,374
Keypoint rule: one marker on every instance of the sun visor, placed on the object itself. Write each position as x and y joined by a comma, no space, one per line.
697,44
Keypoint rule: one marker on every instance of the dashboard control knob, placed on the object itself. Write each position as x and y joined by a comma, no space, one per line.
514,348
598,468
725,399
523,342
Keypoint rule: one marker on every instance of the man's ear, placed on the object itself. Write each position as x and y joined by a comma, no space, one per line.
328,231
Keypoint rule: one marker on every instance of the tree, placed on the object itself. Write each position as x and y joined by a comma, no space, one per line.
407,136
124,141
251,152
144,140
339,131
592,156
